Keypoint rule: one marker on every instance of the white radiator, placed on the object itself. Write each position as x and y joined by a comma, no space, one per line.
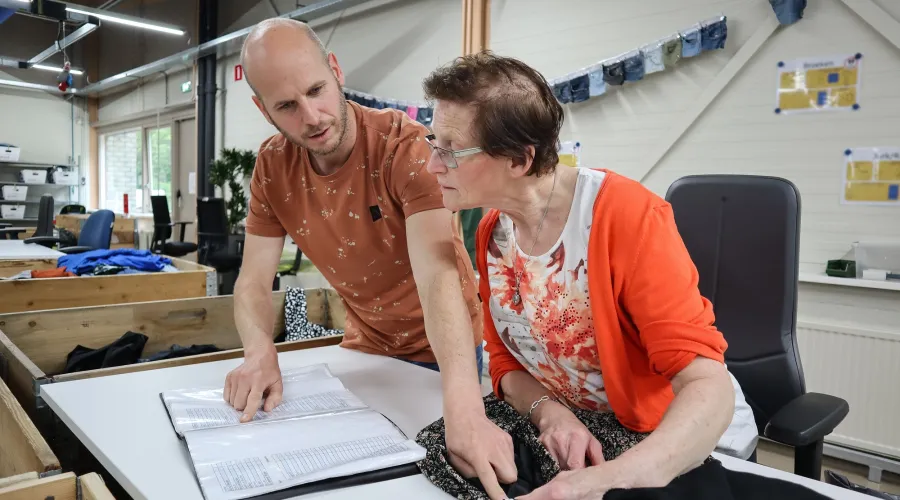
861,366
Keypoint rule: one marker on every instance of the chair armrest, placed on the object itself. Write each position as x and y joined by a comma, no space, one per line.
182,222
13,232
46,241
183,225
807,419
74,250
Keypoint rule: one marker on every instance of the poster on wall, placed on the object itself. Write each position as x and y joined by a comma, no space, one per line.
871,176
818,84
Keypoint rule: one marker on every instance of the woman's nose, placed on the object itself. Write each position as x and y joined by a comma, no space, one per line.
435,165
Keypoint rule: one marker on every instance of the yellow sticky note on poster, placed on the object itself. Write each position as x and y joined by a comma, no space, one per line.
889,170
867,191
860,171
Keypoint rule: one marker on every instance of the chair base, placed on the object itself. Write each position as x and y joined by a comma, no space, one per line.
808,460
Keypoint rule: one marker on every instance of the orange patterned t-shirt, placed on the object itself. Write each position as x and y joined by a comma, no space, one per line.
352,226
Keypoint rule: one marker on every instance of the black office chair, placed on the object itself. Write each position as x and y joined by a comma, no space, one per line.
162,231
73,209
212,236
44,225
742,233
96,234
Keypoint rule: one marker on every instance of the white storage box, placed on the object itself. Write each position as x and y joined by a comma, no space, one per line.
9,153
878,260
15,193
12,211
64,177
33,176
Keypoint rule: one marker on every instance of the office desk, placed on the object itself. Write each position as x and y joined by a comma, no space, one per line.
121,420
17,249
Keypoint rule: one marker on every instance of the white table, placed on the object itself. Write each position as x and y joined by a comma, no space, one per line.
17,249
121,420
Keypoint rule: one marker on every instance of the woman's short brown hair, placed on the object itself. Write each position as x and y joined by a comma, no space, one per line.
514,106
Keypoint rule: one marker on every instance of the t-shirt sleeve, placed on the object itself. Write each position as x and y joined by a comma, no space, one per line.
675,323
416,189
261,218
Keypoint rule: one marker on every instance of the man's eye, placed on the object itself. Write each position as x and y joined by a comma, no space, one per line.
285,106
316,91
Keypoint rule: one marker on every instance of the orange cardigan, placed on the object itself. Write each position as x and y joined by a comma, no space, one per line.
650,320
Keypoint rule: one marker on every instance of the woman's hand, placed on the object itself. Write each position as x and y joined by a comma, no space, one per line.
565,437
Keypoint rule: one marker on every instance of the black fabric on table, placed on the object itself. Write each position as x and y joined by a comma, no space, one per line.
177,351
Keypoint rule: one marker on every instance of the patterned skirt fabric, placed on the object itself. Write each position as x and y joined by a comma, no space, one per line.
614,438
296,321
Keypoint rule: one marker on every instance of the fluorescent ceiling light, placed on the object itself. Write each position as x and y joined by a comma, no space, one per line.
23,1
129,22
58,70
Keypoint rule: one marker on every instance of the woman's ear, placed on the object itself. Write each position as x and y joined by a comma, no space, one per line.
519,167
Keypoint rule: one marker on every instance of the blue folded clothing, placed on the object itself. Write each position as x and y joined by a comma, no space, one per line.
140,260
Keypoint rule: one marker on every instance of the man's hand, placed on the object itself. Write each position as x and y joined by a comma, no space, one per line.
478,447
566,438
258,376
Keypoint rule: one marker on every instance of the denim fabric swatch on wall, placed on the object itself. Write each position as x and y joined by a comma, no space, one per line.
712,36
788,11
419,112
672,52
653,59
690,43
614,73
632,66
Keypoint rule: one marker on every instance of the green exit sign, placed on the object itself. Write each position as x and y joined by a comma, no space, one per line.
186,87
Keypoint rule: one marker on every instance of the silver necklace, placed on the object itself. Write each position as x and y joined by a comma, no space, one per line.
517,297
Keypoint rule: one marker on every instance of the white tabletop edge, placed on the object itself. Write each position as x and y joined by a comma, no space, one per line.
359,372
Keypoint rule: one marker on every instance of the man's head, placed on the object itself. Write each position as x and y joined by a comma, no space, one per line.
297,84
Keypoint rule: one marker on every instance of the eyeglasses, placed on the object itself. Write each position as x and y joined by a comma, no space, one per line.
449,156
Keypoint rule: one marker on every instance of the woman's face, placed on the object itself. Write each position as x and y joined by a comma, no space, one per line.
477,180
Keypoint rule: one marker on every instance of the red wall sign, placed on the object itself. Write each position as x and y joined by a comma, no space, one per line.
238,73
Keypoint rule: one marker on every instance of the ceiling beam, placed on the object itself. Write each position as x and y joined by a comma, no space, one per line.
59,45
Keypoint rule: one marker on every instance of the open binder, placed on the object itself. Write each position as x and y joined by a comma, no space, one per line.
320,437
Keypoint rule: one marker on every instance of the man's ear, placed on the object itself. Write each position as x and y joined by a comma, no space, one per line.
262,109
336,68
519,167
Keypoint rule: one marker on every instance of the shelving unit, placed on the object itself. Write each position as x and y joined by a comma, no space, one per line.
62,194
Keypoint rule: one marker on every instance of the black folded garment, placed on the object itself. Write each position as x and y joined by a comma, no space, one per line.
177,351
124,351
536,467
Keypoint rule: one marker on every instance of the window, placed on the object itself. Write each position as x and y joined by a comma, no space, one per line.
136,162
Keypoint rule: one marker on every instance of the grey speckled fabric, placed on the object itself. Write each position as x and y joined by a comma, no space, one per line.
533,472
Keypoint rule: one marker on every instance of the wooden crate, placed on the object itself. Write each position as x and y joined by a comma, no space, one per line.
124,231
192,280
34,345
59,487
23,451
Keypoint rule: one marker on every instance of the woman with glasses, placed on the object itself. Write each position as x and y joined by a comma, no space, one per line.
590,296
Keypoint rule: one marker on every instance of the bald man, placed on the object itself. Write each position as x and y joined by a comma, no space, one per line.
349,185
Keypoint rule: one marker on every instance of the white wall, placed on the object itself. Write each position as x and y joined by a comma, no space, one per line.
41,124
155,93
385,48
739,132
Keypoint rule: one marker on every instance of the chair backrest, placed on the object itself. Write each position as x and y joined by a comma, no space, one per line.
161,218
97,230
73,209
45,216
742,233
212,227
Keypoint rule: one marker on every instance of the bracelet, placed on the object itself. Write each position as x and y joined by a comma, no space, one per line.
536,404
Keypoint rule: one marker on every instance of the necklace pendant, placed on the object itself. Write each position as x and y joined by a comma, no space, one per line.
516,299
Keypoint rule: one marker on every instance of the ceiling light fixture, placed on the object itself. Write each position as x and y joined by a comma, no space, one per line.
119,20
57,70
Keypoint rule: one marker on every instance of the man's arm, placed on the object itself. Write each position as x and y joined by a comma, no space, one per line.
476,445
254,318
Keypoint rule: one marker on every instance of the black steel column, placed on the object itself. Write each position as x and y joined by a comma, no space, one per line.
206,99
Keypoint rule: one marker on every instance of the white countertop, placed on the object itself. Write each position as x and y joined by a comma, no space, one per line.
17,249
824,279
121,420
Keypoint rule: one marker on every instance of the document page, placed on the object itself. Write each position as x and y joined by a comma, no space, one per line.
309,391
250,460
